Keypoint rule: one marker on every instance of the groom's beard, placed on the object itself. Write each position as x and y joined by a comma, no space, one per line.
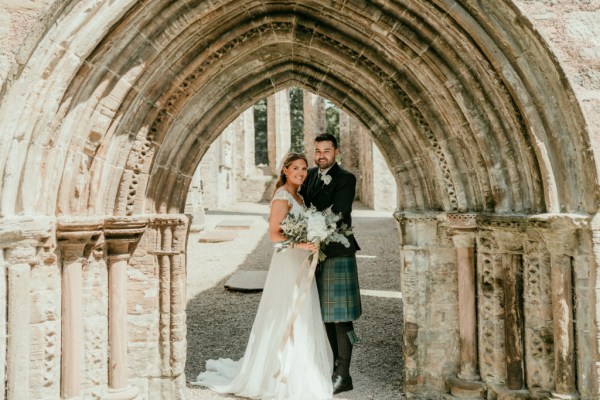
326,165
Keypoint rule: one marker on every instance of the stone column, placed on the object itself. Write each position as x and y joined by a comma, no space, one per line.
430,298
245,144
559,232
514,322
315,121
73,240
18,312
122,235
20,243
594,294
279,128
171,233
467,384
500,254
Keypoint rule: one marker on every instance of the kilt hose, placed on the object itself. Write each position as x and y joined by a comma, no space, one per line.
339,293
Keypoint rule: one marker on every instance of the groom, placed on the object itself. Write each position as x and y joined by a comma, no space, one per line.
328,185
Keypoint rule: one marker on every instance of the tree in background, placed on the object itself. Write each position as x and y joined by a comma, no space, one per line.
296,96
332,114
261,149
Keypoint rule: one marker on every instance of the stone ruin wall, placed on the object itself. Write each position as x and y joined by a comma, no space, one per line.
533,289
40,271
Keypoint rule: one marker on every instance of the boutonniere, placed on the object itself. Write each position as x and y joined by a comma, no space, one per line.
326,179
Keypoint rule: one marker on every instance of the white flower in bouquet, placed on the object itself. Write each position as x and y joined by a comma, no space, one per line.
314,226
317,229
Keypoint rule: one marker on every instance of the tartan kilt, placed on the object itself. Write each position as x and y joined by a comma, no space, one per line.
339,293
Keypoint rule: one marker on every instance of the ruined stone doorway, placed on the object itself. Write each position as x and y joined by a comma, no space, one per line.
486,113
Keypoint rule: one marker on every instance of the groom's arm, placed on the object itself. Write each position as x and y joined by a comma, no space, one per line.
344,195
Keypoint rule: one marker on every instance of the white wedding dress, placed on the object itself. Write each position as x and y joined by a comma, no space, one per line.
303,364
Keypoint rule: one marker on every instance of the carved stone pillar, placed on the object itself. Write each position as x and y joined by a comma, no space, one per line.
467,384
501,242
73,240
315,122
595,303
121,235
559,231
430,296
171,233
279,128
21,246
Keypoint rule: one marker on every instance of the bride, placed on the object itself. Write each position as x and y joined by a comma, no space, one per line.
277,365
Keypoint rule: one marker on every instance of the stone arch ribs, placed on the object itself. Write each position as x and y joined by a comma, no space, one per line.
456,94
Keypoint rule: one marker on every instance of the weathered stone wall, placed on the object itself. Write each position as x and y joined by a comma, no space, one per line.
534,281
430,303
57,300
571,29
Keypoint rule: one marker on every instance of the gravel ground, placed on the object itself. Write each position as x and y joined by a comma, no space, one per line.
219,320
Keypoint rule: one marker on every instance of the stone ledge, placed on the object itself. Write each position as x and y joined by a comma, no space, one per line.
247,281
234,225
216,236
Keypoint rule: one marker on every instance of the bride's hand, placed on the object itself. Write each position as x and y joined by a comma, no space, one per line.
308,246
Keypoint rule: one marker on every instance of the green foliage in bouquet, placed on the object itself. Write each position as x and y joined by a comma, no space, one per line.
313,226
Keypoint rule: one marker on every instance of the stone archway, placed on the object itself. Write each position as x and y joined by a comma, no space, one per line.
118,102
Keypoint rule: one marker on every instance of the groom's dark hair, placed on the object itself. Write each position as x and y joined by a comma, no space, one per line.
327,137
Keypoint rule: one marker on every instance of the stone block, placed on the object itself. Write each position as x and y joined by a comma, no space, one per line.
143,359
241,224
216,236
44,367
45,277
45,306
4,25
247,281
95,301
95,273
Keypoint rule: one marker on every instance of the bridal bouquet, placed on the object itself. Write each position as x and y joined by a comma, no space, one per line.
313,226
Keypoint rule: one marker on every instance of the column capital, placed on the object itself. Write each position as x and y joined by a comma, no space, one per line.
463,228
558,230
560,222
14,230
31,240
121,232
78,231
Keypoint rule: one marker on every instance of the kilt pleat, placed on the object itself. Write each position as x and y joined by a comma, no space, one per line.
339,292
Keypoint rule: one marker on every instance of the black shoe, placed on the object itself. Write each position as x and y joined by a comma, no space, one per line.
341,384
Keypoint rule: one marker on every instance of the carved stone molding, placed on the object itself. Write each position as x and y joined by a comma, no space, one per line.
425,217
494,221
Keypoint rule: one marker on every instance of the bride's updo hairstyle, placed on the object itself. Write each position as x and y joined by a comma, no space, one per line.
287,161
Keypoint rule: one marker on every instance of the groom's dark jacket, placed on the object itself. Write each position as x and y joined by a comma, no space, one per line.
339,194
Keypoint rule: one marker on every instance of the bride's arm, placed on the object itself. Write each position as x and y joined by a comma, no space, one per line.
279,209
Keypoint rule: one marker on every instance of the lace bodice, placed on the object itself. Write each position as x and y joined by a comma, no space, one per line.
282,194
